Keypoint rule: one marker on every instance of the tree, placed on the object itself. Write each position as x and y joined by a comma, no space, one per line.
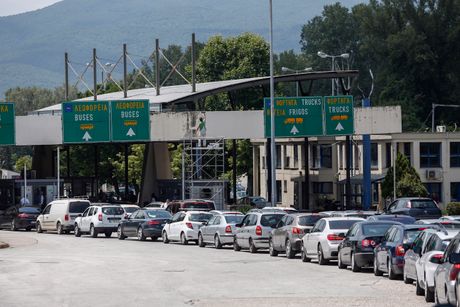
23,161
408,181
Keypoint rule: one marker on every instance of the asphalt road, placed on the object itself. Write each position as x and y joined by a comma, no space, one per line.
52,270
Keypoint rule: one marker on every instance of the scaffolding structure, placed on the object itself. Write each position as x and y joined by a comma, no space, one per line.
203,168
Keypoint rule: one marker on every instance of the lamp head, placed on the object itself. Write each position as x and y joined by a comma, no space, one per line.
322,54
345,55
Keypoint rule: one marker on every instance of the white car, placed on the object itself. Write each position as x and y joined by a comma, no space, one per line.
450,218
184,226
129,209
322,242
220,229
99,218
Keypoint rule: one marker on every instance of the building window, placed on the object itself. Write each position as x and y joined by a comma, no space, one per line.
455,191
296,156
285,186
434,191
278,156
279,195
455,154
322,188
339,156
408,152
374,155
388,154
430,155
321,156
264,162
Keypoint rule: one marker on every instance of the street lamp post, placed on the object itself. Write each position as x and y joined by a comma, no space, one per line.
287,69
272,112
333,57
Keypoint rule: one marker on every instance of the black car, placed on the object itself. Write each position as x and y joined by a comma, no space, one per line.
389,254
22,218
143,223
417,207
357,248
403,219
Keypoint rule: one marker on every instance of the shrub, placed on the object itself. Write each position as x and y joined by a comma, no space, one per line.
453,208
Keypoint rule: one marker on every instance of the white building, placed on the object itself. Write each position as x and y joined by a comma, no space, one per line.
435,156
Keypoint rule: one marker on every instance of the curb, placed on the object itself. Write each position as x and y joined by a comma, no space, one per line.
4,245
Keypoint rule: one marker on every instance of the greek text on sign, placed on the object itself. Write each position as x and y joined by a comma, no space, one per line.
131,121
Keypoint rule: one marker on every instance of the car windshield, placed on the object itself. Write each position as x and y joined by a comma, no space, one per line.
422,204
200,217
345,224
113,210
234,219
130,209
158,214
29,210
270,220
411,234
309,220
78,206
375,229
196,206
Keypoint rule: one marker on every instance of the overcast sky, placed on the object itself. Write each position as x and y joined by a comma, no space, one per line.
12,7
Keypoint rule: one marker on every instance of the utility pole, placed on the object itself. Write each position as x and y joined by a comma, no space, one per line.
193,64
94,74
157,65
66,71
272,114
125,72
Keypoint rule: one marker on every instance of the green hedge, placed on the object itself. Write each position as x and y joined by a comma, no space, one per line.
453,208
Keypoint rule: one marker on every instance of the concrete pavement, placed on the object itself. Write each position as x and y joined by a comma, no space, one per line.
51,270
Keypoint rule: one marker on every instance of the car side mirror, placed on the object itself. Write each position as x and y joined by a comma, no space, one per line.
454,258
238,225
341,235
79,215
204,223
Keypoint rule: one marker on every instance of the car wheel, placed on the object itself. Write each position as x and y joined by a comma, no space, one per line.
321,260
154,238
183,240
92,231
377,271
340,263
289,252
303,255
77,231
236,247
140,234
252,247
354,267
429,296
13,226
418,290
217,243
391,274
60,228
271,249
406,279
200,240
164,236
108,234
120,234
39,228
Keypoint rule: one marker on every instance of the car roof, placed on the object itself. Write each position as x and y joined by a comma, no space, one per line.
196,211
104,204
129,205
379,223
342,218
414,198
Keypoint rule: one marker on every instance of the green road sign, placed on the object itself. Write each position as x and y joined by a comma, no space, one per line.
86,122
130,121
7,135
338,111
295,117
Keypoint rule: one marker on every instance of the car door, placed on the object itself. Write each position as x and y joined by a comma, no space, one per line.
83,218
381,249
250,229
412,255
138,220
45,214
441,273
175,227
240,230
284,231
86,220
207,231
346,244
314,238
277,233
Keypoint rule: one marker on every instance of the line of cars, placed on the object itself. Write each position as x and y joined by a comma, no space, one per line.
424,251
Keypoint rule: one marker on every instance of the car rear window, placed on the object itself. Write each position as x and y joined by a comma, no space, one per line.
411,234
270,220
113,211
309,220
29,210
400,219
158,214
375,229
196,206
130,209
200,217
234,219
346,224
423,204
78,206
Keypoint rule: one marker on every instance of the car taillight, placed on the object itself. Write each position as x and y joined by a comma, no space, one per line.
408,205
454,271
228,229
99,217
189,225
400,250
297,231
258,230
366,243
334,237
422,229
23,215
66,217
153,222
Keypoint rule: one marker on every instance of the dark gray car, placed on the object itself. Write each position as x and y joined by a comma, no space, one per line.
417,207
287,236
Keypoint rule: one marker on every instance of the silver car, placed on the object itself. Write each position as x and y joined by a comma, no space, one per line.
254,231
220,229
288,234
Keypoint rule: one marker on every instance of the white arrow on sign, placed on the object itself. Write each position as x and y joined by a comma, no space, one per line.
339,127
130,132
294,130
86,136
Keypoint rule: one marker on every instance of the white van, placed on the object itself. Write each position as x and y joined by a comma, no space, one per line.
59,215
